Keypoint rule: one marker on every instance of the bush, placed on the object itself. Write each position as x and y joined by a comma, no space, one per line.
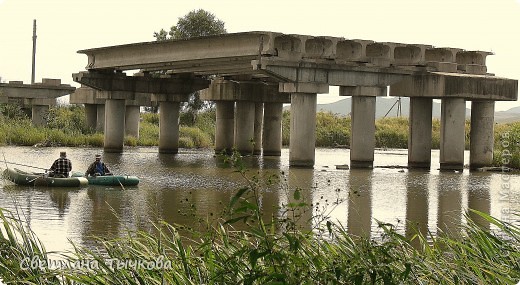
186,142
199,138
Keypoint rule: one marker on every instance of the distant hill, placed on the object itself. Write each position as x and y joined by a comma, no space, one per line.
389,105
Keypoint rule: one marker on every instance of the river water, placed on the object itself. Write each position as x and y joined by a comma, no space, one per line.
195,184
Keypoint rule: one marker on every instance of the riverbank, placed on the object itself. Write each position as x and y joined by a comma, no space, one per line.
67,127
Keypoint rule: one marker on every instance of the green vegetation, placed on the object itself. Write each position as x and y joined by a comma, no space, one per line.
268,250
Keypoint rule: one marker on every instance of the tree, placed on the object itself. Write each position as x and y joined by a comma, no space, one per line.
196,23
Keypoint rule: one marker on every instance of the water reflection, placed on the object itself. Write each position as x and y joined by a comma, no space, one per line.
195,185
417,205
60,199
449,213
301,180
359,222
479,197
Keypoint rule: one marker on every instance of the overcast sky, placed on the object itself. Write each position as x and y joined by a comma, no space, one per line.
66,26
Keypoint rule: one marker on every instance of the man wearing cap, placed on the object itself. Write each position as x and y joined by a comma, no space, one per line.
61,166
97,168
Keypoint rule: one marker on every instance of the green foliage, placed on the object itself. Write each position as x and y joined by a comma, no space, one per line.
332,130
70,119
198,137
13,111
507,145
392,133
150,118
19,246
186,142
196,23
286,127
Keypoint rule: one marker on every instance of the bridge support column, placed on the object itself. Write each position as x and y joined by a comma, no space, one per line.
363,141
91,115
39,114
169,127
132,117
453,115
481,135
114,125
259,118
420,137
272,137
224,126
244,126
100,121
303,130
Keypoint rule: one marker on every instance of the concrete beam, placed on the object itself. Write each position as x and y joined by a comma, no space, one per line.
329,74
225,49
451,85
221,89
362,91
49,88
110,81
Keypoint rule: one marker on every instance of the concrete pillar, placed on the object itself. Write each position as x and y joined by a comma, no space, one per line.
244,126
272,136
100,121
224,126
39,114
303,129
169,127
114,125
482,135
420,136
132,118
363,132
91,115
259,118
453,116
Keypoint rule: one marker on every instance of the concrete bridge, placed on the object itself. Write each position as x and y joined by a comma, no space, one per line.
247,72
38,96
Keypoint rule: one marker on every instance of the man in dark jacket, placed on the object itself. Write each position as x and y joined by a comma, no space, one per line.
97,168
61,166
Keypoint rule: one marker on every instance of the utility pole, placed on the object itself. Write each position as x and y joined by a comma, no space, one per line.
34,51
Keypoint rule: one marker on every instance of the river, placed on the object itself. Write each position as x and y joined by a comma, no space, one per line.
195,184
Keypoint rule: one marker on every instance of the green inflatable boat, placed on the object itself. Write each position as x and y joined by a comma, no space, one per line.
110,180
42,179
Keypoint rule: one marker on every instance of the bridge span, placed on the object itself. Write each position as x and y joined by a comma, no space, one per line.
250,75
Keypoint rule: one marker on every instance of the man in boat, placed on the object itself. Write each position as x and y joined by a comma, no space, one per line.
61,166
97,168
